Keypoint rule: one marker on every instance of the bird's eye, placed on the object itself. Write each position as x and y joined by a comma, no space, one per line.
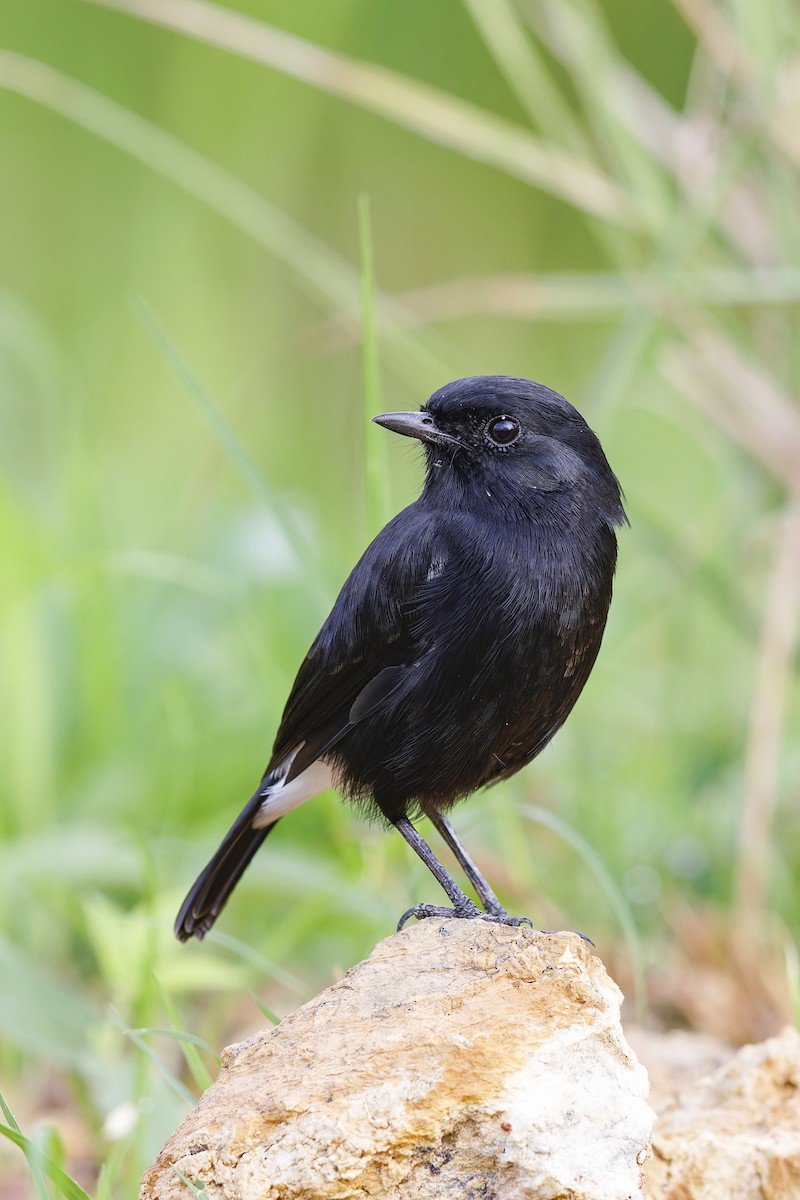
503,430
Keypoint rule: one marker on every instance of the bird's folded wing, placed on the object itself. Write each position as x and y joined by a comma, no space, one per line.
364,646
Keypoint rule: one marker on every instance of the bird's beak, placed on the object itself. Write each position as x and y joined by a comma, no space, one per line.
418,425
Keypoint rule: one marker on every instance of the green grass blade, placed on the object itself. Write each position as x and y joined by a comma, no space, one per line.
265,1009
434,114
198,1189
7,1113
616,900
262,964
283,512
375,456
326,277
104,1183
39,1161
189,1041
681,239
526,72
595,69
45,1017
177,1086
38,1177
208,407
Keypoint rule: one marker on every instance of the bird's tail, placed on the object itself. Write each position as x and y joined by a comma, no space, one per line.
210,891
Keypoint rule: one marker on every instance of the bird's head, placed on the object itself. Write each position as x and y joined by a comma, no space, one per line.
510,440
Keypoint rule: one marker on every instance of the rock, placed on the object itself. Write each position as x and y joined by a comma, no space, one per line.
462,1059
675,1059
733,1134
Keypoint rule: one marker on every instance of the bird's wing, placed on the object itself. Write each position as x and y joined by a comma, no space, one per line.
359,654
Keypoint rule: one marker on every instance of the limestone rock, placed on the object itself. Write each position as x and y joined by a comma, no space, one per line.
462,1059
734,1134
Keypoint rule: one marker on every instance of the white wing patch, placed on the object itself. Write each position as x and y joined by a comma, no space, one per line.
435,569
280,797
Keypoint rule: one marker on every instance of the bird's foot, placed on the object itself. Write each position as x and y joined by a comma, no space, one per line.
468,911
496,912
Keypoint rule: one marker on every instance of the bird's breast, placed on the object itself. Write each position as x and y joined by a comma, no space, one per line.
501,639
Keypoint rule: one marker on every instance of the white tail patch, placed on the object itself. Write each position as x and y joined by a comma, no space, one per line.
280,797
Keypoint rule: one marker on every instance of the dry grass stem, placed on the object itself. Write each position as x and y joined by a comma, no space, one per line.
428,111
737,394
750,406
779,636
717,37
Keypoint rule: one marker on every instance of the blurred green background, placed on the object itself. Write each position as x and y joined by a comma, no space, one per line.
599,195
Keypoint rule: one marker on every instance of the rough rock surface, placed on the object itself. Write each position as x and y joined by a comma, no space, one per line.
734,1134
462,1059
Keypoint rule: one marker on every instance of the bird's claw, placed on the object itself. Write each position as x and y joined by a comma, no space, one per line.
507,920
584,936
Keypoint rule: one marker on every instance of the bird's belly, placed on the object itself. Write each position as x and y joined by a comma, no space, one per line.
467,717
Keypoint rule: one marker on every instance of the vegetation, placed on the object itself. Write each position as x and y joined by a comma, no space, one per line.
231,232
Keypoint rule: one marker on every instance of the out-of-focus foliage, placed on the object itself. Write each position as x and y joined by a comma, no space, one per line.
599,195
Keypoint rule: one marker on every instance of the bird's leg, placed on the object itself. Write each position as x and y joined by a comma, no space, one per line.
491,904
485,894
462,905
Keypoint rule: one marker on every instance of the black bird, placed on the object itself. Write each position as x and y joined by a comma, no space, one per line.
461,639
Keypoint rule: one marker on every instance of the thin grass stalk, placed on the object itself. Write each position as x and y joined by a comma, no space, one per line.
572,297
326,277
595,67
177,1086
617,902
375,449
272,501
190,1043
263,1008
680,143
526,72
434,114
35,1169
197,1189
733,54
718,37
264,966
739,394
41,1164
778,641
